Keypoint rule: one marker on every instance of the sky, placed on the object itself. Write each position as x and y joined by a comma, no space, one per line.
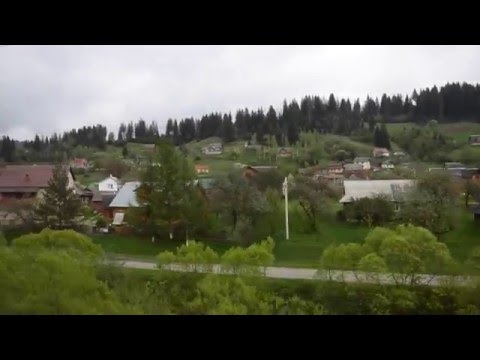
46,89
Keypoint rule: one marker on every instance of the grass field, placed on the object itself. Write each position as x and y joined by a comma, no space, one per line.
464,237
460,131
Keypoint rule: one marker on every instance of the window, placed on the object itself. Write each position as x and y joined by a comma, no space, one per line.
110,186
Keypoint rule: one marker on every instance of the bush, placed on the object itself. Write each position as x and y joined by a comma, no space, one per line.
3,240
341,215
101,223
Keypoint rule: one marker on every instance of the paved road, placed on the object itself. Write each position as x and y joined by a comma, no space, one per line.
314,274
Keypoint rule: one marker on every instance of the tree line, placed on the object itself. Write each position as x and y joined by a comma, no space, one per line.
450,103
453,102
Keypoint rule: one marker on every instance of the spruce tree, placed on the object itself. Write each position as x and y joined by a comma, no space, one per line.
59,205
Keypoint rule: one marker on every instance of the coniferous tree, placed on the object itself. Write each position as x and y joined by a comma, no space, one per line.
228,131
59,205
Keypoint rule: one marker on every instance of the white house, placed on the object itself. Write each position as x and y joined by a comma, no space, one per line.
110,184
387,165
364,161
393,190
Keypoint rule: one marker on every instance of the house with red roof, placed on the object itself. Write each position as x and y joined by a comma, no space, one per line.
27,181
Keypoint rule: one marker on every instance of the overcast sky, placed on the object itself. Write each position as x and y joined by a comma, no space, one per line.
55,88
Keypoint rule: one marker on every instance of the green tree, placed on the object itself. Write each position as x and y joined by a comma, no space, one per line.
312,197
53,274
58,205
405,252
165,192
219,295
372,211
430,204
124,151
195,257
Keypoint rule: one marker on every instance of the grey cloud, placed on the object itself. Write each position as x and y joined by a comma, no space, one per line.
55,88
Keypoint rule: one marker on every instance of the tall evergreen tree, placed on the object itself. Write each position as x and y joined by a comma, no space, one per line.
228,131
59,205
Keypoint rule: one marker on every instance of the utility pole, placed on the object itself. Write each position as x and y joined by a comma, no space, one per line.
285,193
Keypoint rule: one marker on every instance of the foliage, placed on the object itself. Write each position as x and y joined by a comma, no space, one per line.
430,204
372,211
66,240
239,202
313,198
50,273
404,252
115,167
194,257
168,195
247,261
59,205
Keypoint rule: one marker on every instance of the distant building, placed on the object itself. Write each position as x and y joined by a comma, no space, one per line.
393,190
250,171
213,149
353,167
364,161
474,139
454,165
202,169
335,168
149,147
387,165
109,185
284,152
126,197
399,153
381,152
79,163
28,181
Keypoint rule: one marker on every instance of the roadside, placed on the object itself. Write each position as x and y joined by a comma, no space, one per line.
314,274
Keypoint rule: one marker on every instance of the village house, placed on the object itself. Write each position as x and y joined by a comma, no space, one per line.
335,168
332,178
150,148
202,169
124,199
399,153
393,190
109,185
101,203
79,163
27,181
387,165
250,171
213,149
474,140
381,152
356,174
364,161
353,167
284,152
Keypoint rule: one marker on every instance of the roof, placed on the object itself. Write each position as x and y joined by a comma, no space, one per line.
200,166
361,159
353,167
111,178
451,165
26,176
126,196
335,165
106,200
358,189
384,150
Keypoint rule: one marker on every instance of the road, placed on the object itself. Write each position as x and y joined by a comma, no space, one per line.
314,274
